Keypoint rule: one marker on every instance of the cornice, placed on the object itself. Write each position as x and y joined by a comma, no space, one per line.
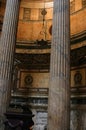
79,37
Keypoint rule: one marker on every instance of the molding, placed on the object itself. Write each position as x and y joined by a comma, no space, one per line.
33,46
78,11
78,107
36,4
79,37
75,39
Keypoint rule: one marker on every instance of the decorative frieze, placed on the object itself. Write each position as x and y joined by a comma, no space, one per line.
33,60
78,56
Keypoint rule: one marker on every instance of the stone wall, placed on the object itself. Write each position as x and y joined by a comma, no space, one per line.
40,120
78,119
78,20
30,25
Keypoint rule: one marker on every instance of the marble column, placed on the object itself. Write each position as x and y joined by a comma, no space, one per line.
59,89
7,48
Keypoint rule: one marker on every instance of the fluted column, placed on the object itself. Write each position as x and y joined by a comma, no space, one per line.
59,89
7,47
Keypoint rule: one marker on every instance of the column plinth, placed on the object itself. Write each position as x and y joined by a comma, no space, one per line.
59,89
7,48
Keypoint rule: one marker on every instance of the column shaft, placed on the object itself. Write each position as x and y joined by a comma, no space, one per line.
7,48
59,89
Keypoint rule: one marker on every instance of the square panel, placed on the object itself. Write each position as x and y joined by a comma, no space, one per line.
34,79
78,77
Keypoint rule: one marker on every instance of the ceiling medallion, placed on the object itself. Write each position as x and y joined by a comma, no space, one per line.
77,78
28,80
